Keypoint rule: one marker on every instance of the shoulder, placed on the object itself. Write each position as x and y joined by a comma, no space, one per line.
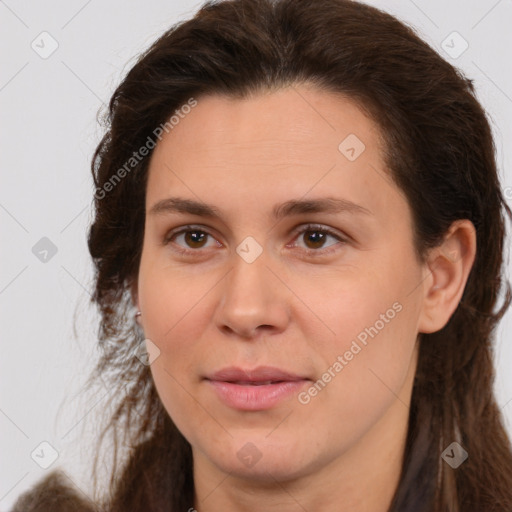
53,494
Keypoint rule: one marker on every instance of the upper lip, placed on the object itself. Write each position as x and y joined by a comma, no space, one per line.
259,374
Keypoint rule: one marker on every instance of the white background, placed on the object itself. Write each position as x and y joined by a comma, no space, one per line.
48,132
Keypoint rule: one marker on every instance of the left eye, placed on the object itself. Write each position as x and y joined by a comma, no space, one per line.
314,237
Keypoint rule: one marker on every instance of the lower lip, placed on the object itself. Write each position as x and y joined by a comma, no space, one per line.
255,398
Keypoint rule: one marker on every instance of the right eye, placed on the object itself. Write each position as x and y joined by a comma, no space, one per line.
192,239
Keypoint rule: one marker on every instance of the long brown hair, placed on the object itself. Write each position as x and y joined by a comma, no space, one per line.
440,152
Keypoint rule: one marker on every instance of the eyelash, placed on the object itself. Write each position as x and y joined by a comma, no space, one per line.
309,227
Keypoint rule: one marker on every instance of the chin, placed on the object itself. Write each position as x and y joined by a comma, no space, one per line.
257,458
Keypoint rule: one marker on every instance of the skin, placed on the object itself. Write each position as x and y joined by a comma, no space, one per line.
295,306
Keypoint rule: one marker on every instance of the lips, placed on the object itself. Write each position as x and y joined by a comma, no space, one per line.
254,383
257,376
255,390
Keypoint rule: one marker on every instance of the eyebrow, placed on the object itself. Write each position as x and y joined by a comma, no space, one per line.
286,209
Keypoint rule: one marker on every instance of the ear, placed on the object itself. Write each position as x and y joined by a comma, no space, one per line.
445,275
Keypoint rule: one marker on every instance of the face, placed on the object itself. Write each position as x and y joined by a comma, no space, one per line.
285,305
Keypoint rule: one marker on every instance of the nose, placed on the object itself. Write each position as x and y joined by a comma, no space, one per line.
253,300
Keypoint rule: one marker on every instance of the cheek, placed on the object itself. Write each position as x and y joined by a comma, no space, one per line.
177,396
177,308
363,371
370,321
352,303
173,303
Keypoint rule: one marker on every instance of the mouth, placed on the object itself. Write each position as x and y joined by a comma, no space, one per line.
255,383
255,389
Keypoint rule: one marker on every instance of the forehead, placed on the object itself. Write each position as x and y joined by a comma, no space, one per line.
272,146
275,125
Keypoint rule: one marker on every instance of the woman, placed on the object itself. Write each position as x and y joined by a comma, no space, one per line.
298,215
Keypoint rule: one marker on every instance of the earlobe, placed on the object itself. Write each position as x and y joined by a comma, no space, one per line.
135,301
449,266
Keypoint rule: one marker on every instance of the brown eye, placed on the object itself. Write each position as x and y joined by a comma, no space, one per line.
195,239
190,240
314,239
